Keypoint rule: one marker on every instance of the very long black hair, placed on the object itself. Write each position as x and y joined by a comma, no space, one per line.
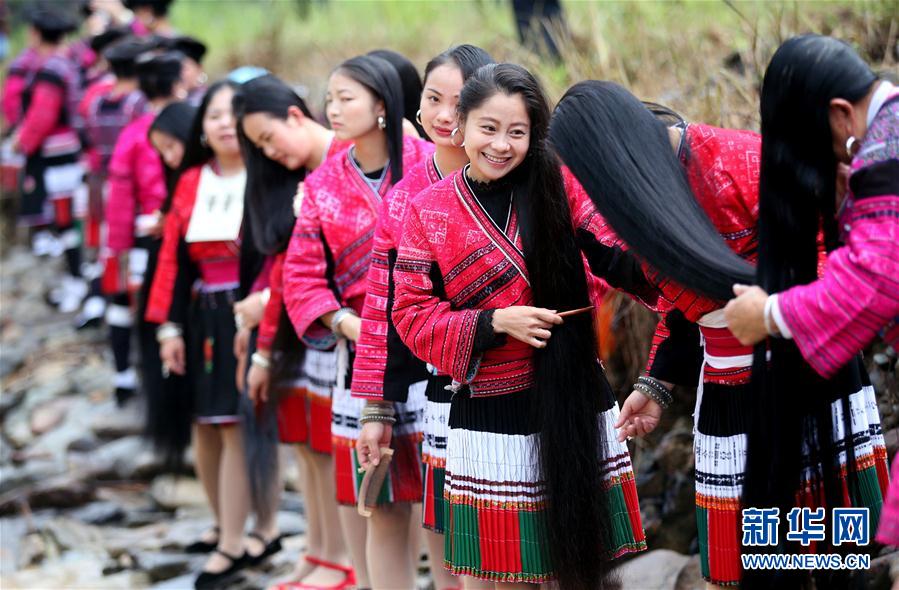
568,377
621,153
383,81
791,403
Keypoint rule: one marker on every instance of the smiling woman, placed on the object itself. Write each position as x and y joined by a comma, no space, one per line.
536,485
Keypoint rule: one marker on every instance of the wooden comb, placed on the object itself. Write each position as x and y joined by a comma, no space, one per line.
570,312
372,481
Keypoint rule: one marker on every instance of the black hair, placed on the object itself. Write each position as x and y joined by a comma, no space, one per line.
621,153
157,73
160,8
51,23
468,58
578,514
411,84
111,35
122,57
797,202
195,152
176,119
270,186
383,81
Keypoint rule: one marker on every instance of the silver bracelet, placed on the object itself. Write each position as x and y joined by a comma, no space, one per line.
769,304
168,330
340,315
654,390
377,418
260,361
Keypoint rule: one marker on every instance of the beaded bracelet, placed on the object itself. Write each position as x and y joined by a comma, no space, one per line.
377,418
654,390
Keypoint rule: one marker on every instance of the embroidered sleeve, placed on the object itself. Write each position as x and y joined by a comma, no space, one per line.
857,296
121,203
11,99
435,332
44,109
269,325
676,353
309,290
162,291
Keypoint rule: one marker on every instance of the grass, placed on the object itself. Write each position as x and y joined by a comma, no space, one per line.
704,58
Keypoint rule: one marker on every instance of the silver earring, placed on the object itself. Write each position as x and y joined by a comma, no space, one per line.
382,123
453,138
418,117
203,141
850,145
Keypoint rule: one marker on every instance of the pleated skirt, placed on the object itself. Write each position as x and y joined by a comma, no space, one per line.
403,482
495,519
435,431
304,407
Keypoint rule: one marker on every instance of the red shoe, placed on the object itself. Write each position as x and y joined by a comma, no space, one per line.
349,579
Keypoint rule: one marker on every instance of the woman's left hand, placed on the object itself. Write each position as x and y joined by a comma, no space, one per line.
250,310
745,314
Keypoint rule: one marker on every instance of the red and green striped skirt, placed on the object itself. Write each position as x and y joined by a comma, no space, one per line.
495,518
304,408
403,482
435,428
720,449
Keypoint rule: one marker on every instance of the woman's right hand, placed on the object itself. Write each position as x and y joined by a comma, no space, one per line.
258,380
171,351
531,325
372,437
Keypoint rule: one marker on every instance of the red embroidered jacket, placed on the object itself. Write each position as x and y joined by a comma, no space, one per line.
449,237
329,253
180,264
50,110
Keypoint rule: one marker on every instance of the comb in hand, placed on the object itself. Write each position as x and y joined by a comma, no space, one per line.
374,477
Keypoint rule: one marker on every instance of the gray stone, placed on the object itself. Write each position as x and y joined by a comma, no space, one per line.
61,492
175,492
163,566
69,534
111,422
690,577
31,472
99,513
125,459
654,570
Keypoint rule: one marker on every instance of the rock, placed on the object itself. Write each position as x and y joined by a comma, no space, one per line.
174,492
121,541
49,415
184,532
29,473
891,438
163,566
32,550
690,577
127,458
878,575
99,513
75,570
145,516
111,422
17,427
61,492
291,523
655,570
10,398
12,359
69,534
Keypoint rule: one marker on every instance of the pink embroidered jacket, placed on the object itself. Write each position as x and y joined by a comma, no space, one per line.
857,297
384,367
329,253
136,183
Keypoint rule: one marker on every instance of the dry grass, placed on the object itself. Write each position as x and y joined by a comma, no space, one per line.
704,58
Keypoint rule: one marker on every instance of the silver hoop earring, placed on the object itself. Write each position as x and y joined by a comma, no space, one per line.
203,140
382,123
850,146
418,117
453,138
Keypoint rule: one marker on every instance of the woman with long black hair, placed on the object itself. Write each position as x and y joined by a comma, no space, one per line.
324,287
411,83
821,106
281,143
200,252
685,201
537,486
168,399
385,371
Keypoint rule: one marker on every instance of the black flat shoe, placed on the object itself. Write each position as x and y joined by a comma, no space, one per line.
203,546
216,580
271,547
